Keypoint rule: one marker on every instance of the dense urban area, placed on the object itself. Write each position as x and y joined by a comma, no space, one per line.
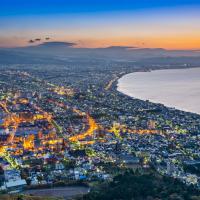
68,125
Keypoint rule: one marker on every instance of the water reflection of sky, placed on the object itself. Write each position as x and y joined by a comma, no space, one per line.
178,88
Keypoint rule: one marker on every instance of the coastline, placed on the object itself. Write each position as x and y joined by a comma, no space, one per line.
157,101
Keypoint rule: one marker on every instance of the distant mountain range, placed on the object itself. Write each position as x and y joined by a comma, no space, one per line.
65,51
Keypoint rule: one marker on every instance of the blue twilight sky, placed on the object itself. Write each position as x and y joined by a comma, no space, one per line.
41,7
92,23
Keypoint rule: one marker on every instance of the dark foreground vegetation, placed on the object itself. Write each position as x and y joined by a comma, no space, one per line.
149,186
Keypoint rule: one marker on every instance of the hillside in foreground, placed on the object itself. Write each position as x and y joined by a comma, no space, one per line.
131,186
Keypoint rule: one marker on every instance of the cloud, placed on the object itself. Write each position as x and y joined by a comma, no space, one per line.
37,39
31,41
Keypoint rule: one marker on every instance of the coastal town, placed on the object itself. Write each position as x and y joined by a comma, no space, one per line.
99,100
66,124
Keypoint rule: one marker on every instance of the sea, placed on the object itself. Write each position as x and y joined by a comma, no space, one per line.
175,88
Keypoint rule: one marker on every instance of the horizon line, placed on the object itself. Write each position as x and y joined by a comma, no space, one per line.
77,46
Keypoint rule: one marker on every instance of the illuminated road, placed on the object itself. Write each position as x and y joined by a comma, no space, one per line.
13,120
92,127
111,83
4,107
91,122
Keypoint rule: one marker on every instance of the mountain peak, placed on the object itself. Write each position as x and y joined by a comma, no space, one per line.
57,44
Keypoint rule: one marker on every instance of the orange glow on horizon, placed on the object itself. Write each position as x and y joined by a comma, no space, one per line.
170,42
165,42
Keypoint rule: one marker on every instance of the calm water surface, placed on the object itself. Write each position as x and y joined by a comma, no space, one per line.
179,88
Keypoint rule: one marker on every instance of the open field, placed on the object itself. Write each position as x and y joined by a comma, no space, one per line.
65,193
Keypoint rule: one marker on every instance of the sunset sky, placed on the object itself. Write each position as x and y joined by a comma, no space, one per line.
170,24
